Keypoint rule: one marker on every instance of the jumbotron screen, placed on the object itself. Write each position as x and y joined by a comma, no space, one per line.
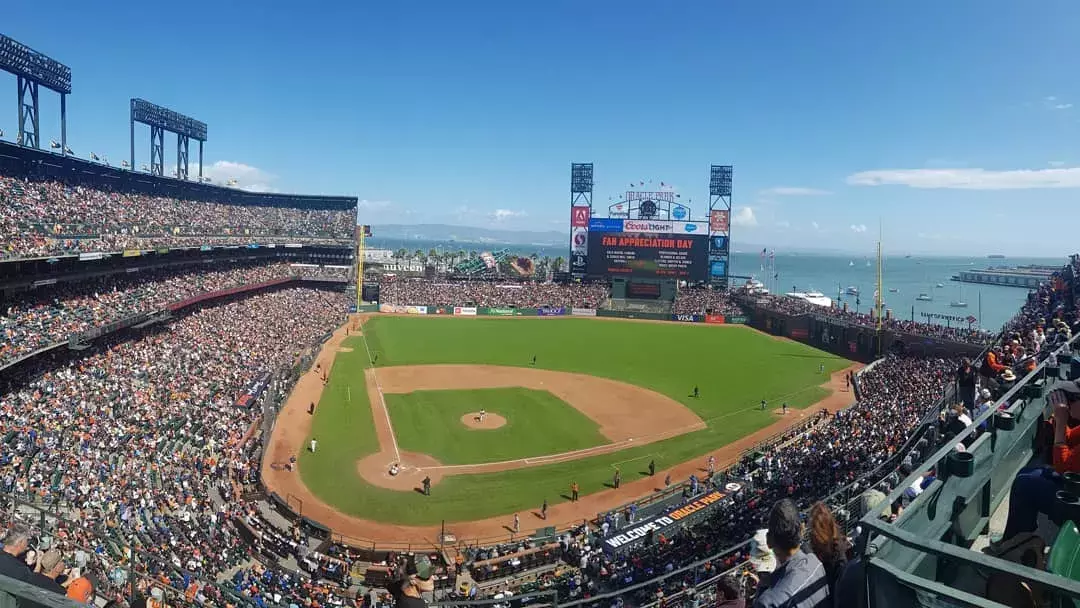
649,255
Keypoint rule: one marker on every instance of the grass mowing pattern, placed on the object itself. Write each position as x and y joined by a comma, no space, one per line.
734,368
537,423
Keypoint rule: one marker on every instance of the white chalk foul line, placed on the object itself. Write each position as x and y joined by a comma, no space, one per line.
382,399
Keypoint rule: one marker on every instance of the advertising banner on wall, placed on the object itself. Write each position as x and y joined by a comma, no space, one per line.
551,311
579,240
403,309
583,312
465,311
605,224
715,319
496,312
651,226
687,318
579,217
630,536
737,320
718,220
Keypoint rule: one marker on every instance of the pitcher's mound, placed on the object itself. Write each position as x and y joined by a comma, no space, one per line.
412,469
490,421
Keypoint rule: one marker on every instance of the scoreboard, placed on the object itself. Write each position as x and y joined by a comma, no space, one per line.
649,255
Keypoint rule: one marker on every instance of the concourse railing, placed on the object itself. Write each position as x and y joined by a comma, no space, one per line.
924,556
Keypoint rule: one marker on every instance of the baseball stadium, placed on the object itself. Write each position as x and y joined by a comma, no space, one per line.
219,397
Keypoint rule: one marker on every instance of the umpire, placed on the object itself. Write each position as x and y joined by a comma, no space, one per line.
408,588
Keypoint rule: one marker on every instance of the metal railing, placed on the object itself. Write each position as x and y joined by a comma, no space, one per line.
924,551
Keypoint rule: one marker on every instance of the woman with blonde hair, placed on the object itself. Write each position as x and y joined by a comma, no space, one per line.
828,543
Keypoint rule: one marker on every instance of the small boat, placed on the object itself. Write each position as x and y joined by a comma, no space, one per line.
924,298
894,290
939,285
867,263
959,302
852,291
851,263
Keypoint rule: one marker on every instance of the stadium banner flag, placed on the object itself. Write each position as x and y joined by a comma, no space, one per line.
715,319
163,250
583,312
628,537
131,253
465,311
688,318
88,257
251,392
551,311
205,248
495,312
737,320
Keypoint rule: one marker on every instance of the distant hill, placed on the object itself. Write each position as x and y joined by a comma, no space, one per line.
467,234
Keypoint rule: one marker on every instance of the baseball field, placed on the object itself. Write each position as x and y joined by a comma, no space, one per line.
602,396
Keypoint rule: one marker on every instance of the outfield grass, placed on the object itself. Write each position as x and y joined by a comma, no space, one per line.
734,367
537,423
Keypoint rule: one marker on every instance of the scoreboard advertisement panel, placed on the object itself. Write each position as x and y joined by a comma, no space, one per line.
649,255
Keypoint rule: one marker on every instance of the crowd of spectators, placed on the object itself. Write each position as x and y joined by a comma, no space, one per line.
705,300
49,314
142,444
42,218
794,306
421,292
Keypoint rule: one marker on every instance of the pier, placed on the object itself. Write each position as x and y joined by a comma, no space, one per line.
1026,277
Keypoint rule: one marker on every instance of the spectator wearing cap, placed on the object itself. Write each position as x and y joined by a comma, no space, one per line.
1033,491
16,542
799,580
408,591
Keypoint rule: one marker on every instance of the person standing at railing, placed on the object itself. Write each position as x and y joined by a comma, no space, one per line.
965,381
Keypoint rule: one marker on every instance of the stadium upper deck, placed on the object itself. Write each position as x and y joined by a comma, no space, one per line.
56,206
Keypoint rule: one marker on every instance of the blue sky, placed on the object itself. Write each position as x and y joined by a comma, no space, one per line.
956,125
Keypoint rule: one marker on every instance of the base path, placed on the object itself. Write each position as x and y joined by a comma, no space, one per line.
293,425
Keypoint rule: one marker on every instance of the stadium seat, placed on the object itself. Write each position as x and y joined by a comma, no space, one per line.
1065,554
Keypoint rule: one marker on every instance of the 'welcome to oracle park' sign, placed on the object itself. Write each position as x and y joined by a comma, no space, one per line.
659,523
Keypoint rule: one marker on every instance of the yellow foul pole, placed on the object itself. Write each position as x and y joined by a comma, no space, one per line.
880,292
360,269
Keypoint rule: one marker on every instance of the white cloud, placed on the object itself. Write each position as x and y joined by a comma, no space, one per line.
744,217
814,225
247,177
783,224
1062,106
500,215
859,228
373,205
970,179
793,191
1056,163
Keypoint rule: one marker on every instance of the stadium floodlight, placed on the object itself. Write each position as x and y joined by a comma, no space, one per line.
21,60
33,70
159,120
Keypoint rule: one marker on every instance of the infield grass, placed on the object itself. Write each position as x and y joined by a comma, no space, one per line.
537,423
734,368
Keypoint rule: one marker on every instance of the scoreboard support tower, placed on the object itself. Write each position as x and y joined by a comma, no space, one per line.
719,225
581,195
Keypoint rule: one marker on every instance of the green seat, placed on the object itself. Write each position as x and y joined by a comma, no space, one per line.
1065,555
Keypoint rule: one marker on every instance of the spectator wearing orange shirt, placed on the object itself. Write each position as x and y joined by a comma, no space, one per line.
1033,491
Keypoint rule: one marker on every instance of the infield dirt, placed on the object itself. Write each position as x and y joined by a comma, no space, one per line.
294,423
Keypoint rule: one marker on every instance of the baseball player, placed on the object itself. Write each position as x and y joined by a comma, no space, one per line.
710,466
764,404
483,413
573,491
313,444
543,510
517,523
696,392
617,479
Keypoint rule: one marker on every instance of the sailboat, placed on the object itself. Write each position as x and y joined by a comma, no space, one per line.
960,303
852,263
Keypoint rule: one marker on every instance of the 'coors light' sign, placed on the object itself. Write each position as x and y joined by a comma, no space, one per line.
647,226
